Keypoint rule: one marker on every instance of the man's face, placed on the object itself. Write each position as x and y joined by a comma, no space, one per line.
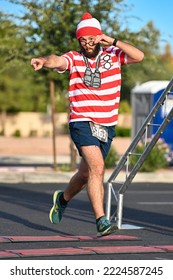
88,46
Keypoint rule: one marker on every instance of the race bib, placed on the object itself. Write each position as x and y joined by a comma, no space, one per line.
99,131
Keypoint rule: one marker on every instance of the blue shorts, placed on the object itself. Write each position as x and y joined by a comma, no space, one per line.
82,136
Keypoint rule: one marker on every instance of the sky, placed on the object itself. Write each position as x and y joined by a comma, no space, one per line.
160,12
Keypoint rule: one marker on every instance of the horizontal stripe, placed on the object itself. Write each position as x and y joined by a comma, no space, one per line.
98,114
86,97
94,92
107,122
93,109
92,103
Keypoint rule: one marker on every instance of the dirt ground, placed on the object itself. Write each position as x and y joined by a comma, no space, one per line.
44,146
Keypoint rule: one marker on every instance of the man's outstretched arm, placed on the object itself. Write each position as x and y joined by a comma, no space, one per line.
52,61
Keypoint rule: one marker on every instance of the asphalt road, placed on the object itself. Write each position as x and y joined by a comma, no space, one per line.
24,211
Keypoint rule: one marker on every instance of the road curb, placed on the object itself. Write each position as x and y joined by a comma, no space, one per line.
64,177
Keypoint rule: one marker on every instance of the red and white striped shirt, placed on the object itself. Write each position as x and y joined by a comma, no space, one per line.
99,105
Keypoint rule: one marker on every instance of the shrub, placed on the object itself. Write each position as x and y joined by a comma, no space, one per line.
33,133
112,158
122,131
124,107
2,132
65,167
17,133
157,158
65,128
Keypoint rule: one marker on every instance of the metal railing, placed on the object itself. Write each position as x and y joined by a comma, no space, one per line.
124,161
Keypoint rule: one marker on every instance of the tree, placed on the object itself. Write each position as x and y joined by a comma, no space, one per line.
16,92
42,36
167,58
152,67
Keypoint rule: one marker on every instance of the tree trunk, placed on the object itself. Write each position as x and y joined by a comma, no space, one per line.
73,156
3,121
52,99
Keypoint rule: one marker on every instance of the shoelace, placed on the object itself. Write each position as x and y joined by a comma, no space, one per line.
62,208
103,223
59,207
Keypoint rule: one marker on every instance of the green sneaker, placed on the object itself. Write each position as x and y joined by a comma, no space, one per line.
57,210
105,227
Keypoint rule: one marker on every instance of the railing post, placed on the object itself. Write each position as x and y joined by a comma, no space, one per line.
108,198
120,210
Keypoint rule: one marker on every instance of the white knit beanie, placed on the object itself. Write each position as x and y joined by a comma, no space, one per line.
88,26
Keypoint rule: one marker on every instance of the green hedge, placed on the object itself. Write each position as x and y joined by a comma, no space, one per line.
122,131
157,158
112,158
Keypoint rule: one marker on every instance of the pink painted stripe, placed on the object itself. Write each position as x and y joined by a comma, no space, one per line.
85,250
8,254
165,247
4,240
125,249
52,251
64,238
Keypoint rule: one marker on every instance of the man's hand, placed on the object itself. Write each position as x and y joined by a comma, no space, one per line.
104,40
38,63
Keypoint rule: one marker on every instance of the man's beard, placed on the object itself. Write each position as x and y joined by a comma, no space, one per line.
91,54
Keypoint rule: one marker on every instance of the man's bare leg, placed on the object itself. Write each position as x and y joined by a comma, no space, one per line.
60,199
95,163
91,172
95,189
77,182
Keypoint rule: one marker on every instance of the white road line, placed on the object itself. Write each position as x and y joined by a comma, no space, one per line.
155,203
149,192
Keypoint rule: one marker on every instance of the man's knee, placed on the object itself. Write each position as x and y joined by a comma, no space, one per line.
93,161
97,169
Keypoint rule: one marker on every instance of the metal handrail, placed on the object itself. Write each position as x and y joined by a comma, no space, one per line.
142,157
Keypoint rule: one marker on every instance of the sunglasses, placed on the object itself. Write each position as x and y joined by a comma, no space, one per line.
91,43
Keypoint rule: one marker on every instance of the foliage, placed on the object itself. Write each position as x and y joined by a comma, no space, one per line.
112,158
153,67
17,133
19,90
65,167
124,107
11,43
122,131
157,158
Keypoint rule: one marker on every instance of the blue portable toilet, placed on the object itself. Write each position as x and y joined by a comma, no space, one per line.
143,99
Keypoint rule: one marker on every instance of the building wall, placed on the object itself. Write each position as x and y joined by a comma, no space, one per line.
39,124
31,124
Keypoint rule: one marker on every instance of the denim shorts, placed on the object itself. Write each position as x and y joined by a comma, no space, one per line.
82,136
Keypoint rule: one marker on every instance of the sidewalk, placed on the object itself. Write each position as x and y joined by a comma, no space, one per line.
30,160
